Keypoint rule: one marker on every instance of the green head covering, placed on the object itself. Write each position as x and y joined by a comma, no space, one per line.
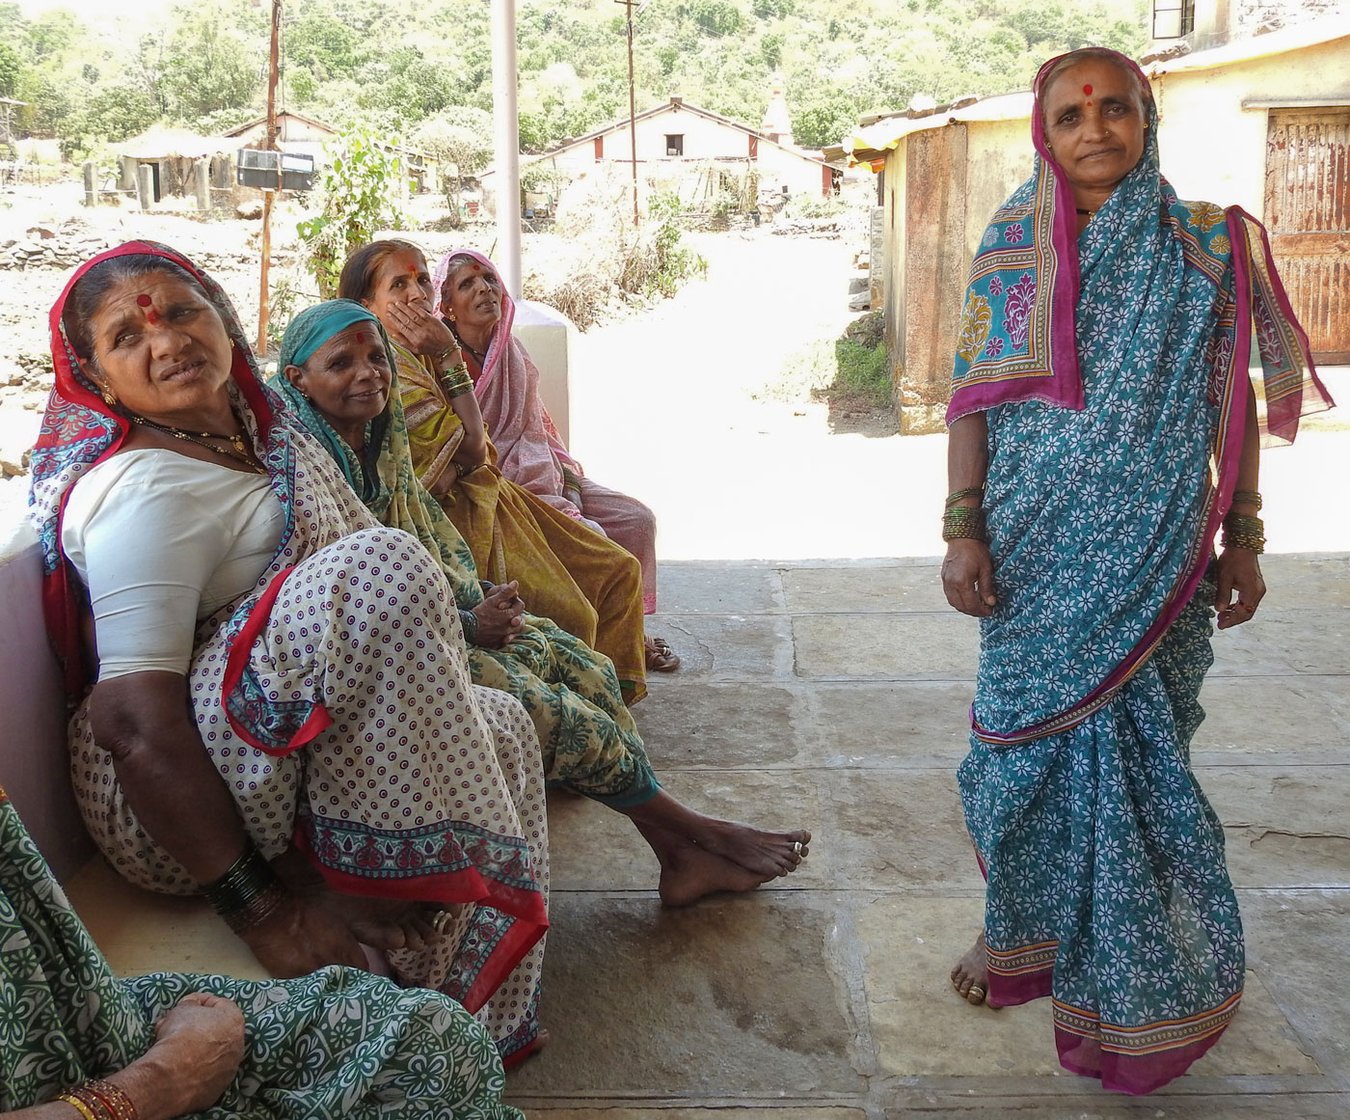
382,471
304,335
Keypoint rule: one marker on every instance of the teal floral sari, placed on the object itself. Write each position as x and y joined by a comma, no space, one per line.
1112,370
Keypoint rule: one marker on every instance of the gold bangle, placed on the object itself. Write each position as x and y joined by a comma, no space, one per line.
968,492
78,1105
963,523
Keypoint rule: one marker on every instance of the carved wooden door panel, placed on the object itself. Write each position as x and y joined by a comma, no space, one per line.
1308,214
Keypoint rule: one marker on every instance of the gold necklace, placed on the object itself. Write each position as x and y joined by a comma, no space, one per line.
238,450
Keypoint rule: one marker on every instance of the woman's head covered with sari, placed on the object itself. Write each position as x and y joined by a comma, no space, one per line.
1034,272
460,265
381,472
82,427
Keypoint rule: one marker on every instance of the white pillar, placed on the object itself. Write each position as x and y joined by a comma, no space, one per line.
506,133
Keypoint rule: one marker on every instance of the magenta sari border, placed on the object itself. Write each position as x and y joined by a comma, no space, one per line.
1138,1074
1013,991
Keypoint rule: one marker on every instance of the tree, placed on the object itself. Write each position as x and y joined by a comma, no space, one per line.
324,45
11,66
822,117
206,67
459,139
119,110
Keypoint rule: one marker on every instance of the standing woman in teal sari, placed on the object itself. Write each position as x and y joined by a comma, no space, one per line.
1102,429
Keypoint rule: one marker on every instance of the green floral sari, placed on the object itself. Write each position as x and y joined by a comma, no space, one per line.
590,742
339,1042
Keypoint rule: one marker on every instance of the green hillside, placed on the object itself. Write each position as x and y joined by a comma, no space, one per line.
397,66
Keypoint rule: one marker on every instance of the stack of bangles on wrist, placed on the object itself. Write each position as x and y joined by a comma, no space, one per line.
1244,532
963,522
469,621
97,1099
248,893
456,380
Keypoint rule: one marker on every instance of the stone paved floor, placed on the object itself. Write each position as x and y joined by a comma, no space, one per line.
833,696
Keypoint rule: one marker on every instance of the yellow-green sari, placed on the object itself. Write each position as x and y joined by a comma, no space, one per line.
567,572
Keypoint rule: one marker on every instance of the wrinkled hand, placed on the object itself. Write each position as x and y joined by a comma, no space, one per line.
968,577
302,935
421,332
1238,572
199,1044
501,616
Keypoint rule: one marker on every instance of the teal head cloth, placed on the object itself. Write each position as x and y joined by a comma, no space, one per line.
304,335
316,325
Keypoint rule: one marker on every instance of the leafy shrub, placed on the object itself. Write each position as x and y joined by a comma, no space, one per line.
358,198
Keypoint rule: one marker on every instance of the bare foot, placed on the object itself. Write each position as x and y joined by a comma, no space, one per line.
764,853
689,872
970,976
383,923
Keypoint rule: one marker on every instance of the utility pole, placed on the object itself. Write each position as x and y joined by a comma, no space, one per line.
506,133
632,102
269,144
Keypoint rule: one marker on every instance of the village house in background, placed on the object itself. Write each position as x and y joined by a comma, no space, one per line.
203,168
708,160
1258,116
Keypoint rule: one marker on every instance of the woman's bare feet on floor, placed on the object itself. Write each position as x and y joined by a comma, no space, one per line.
381,923
700,855
689,873
970,976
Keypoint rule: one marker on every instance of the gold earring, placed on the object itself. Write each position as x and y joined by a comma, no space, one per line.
109,395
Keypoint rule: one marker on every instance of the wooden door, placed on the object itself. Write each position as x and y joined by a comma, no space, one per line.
1308,214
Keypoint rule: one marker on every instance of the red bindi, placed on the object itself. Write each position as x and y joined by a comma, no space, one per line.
364,337
1087,90
143,300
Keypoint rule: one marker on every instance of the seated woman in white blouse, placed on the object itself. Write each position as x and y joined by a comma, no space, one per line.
271,690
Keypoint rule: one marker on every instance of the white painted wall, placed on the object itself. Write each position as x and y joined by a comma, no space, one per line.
704,140
1215,150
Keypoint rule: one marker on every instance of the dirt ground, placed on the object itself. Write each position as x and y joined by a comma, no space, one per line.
229,248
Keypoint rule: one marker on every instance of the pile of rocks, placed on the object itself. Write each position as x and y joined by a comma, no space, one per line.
73,243
810,227
42,247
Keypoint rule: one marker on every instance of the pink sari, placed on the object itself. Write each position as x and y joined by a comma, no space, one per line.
531,453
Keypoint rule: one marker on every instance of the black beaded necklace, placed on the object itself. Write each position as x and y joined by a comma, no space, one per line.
238,449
